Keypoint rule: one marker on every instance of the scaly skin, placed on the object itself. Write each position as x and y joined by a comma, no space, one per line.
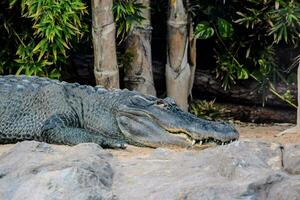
33,108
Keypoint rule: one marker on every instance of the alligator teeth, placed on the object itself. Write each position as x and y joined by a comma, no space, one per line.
193,142
222,143
200,142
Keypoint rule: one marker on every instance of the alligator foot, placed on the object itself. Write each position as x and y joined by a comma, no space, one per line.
112,144
73,136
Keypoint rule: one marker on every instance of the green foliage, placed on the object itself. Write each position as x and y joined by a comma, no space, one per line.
51,28
37,35
208,110
225,28
127,14
288,96
246,34
229,70
203,31
279,21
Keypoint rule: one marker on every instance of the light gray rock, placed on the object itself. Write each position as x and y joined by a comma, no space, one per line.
39,171
247,170
291,159
277,186
241,170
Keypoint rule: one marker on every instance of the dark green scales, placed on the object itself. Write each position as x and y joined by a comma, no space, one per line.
33,108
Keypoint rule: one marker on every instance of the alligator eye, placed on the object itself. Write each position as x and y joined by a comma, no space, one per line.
141,101
161,103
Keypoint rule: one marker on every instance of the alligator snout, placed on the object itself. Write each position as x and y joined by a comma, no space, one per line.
161,123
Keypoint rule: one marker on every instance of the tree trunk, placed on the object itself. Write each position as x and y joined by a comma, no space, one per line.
192,53
178,71
105,61
139,76
298,108
192,56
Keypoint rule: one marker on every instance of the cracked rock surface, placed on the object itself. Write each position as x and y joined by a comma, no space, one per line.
240,170
39,171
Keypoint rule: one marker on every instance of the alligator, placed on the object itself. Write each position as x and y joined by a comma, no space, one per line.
35,108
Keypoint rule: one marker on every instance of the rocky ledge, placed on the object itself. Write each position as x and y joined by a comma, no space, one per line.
240,170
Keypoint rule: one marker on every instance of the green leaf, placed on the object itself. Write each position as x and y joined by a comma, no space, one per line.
203,31
225,28
38,46
243,73
19,70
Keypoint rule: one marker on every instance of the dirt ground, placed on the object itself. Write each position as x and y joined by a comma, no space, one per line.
267,132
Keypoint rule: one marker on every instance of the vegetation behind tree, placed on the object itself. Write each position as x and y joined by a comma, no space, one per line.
245,36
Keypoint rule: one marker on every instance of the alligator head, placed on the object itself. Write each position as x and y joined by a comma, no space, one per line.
152,122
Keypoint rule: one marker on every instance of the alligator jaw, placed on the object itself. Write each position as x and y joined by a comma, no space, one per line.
198,142
154,126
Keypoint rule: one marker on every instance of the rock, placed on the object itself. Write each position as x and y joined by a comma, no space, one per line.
277,186
291,159
35,171
241,170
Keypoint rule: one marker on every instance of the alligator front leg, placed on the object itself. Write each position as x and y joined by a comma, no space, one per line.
58,130
73,136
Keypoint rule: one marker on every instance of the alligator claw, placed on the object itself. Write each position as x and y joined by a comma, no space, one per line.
118,146
122,146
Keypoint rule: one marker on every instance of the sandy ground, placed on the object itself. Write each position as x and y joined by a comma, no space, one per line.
267,132
260,132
